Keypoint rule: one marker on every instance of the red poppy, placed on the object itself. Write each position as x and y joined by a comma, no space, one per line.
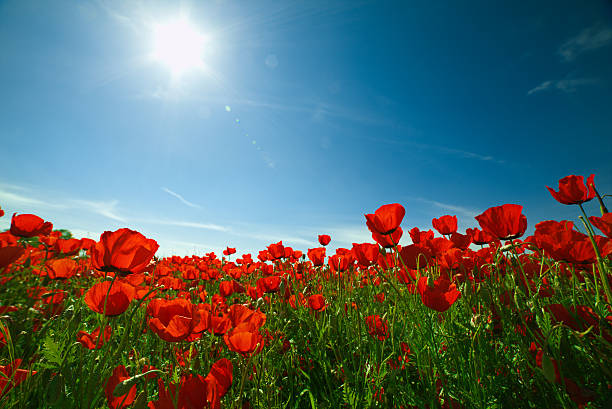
228,251
119,297
603,223
341,261
11,376
480,237
441,296
269,284
461,241
1,212
227,288
123,251
245,339
573,191
218,381
317,256
386,219
317,302
377,327
171,320
324,239
365,253
195,391
276,250
10,254
419,236
504,222
120,374
415,256
94,340
240,314
445,225
67,246
29,225
219,325
390,240
7,239
61,268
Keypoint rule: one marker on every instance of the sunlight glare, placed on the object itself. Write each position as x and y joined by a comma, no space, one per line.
179,46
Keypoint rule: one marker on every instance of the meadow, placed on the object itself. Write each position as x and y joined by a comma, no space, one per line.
485,318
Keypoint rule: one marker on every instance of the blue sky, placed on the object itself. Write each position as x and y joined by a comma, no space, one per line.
308,114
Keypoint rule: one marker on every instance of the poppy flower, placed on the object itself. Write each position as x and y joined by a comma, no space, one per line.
415,256
1,212
441,296
365,253
61,268
245,339
119,297
123,251
67,246
90,341
603,223
276,250
317,256
317,302
239,314
386,219
390,240
419,236
445,225
219,325
573,191
504,222
10,254
377,327
461,241
218,381
171,320
480,237
29,225
11,376
269,284
120,374
7,239
228,251
227,288
195,391
324,239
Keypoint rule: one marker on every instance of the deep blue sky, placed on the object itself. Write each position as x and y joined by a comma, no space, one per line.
310,114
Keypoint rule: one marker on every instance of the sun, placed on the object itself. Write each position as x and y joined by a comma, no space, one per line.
179,46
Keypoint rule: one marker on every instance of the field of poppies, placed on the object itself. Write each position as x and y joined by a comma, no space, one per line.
487,318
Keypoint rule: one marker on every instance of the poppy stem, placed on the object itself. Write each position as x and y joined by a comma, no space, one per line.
601,267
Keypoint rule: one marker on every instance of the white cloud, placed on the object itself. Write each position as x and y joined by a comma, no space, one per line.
179,197
588,39
181,223
464,211
106,209
567,85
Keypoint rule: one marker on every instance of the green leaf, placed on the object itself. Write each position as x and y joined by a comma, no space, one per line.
51,351
548,368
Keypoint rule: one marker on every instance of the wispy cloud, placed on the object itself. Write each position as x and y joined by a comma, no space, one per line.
181,198
464,211
566,85
106,209
17,199
181,223
588,39
24,199
439,148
